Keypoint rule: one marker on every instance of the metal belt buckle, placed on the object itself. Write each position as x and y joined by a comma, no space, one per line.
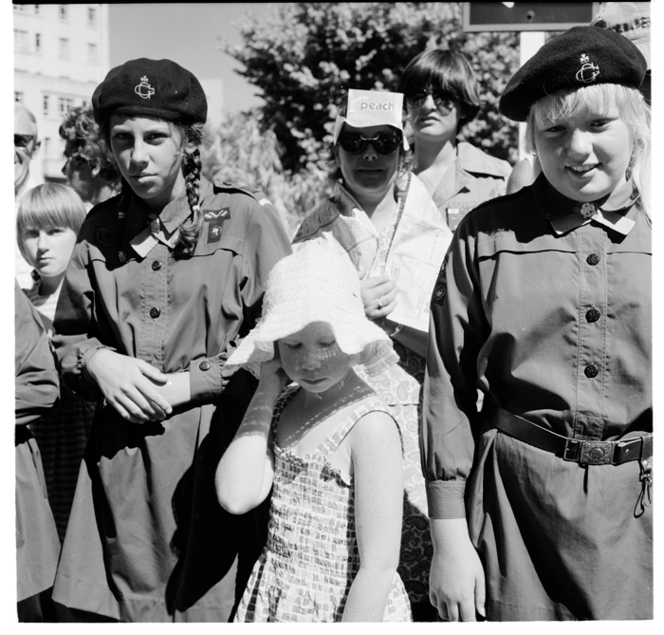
595,452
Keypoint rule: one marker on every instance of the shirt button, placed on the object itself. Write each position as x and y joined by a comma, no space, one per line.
122,257
593,259
593,315
155,312
591,371
156,265
204,365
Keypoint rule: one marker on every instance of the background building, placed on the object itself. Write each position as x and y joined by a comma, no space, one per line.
60,55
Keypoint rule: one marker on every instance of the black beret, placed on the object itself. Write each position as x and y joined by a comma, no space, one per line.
582,56
155,88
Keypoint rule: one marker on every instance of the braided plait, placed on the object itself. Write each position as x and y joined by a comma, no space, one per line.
191,169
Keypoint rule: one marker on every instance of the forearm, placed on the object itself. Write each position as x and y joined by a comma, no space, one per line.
368,594
244,475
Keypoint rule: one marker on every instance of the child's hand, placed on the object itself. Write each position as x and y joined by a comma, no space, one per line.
273,378
379,296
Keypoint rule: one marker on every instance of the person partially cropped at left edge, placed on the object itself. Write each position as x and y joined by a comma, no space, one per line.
164,280
540,504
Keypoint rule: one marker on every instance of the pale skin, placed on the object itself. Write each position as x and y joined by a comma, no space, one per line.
148,152
371,453
584,156
376,196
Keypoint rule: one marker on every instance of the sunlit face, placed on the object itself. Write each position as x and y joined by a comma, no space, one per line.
436,118
312,358
149,154
48,249
368,173
584,155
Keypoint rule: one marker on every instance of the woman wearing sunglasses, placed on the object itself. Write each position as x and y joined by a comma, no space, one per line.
383,217
442,96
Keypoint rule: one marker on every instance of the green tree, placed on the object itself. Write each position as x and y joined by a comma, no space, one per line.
307,55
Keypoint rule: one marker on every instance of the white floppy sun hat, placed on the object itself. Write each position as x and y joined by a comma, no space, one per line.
315,284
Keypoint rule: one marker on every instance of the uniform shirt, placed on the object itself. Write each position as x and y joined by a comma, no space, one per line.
178,315
473,178
548,313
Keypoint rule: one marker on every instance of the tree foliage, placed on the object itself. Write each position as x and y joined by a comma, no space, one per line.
307,55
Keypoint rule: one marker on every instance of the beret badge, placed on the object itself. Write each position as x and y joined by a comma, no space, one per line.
588,71
144,90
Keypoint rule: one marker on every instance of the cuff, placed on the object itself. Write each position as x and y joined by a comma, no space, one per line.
446,499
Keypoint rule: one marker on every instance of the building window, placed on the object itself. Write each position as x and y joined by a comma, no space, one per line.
64,12
45,104
47,146
92,16
64,104
20,41
18,95
92,53
37,42
64,48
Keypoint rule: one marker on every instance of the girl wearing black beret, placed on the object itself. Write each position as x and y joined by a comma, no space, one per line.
163,282
540,503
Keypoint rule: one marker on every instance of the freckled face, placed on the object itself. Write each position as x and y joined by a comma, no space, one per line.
148,153
584,156
312,358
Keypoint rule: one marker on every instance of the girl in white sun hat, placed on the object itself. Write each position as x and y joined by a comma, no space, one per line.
326,446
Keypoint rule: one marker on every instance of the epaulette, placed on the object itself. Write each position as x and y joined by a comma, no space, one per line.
229,186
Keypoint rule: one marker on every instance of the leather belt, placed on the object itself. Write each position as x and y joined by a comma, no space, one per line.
577,450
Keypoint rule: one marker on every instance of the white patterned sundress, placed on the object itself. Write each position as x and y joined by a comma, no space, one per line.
311,557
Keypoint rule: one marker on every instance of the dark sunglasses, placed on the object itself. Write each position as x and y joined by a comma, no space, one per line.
383,142
22,140
441,98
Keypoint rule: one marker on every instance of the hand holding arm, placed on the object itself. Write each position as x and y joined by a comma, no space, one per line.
129,385
456,584
245,471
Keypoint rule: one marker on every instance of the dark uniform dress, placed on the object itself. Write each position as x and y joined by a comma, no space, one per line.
548,311
147,539
37,389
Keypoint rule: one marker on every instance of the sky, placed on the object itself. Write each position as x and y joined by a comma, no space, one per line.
192,34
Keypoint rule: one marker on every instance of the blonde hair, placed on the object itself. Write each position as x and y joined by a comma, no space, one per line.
634,112
49,205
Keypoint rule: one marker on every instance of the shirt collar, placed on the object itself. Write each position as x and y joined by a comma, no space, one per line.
615,211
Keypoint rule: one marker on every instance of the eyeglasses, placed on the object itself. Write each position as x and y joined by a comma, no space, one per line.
75,160
441,99
22,140
383,142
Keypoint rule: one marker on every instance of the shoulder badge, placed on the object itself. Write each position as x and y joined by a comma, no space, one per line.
215,220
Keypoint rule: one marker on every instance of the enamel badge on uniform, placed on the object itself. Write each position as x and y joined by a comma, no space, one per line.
215,219
588,210
588,71
439,293
144,90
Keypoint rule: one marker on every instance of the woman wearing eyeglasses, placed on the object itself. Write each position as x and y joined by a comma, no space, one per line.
382,216
442,95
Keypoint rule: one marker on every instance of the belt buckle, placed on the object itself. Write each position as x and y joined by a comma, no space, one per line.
595,452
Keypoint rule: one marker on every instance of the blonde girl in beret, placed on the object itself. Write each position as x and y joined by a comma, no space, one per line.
540,503
164,280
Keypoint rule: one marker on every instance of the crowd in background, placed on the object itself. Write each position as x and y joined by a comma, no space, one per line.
188,389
